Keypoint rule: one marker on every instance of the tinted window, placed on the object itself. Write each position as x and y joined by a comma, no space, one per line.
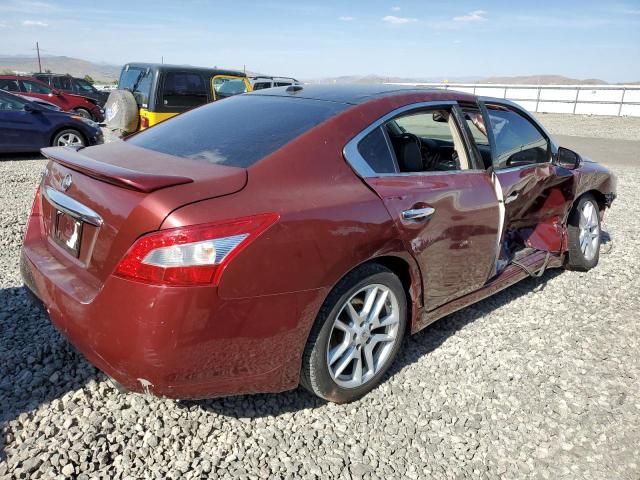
228,86
518,141
65,83
237,132
375,150
11,102
282,84
261,85
83,86
9,85
34,87
138,82
183,89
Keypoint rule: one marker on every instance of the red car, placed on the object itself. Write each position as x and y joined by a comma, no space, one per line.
32,88
295,235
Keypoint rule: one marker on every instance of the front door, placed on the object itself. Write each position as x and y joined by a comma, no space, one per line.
20,130
536,193
442,201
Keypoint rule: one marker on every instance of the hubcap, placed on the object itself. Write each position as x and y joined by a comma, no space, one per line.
589,231
69,139
363,336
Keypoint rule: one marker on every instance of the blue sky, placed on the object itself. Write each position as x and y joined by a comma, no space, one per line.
410,38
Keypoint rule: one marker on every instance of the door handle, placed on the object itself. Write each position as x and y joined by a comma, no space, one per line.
418,213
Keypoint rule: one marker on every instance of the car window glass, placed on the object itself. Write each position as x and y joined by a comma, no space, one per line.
33,87
261,85
282,84
427,141
183,89
375,151
83,86
138,82
518,141
10,102
65,83
238,131
227,86
475,123
55,82
9,85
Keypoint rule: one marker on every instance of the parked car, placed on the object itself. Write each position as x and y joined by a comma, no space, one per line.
262,82
32,88
77,86
42,103
149,93
27,126
256,254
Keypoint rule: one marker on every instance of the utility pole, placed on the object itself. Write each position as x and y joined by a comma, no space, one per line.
39,64
162,59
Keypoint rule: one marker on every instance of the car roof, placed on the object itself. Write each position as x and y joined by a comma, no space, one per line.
166,67
354,93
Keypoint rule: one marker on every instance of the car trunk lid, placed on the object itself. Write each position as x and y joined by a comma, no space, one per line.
97,201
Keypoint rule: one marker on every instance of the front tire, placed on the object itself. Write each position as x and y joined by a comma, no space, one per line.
69,138
584,234
356,336
83,112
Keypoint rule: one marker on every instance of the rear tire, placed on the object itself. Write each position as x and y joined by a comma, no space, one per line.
352,343
584,234
69,138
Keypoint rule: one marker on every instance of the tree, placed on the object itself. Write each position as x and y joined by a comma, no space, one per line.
89,79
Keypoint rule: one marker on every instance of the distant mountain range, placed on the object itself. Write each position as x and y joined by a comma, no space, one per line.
108,73
73,66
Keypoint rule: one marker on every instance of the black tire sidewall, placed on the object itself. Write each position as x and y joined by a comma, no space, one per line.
577,260
54,141
317,377
83,112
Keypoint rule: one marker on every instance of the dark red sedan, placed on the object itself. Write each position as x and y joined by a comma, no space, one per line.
295,235
35,89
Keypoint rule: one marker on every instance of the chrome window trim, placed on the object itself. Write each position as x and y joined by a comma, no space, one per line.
71,207
520,167
360,165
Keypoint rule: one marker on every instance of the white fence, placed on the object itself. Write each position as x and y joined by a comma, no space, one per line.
617,100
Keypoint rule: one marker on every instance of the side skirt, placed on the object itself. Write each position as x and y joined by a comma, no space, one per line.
510,276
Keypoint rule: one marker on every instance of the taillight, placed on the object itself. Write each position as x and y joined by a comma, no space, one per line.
195,255
144,123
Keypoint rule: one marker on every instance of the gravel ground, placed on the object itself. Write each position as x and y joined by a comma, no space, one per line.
540,381
595,126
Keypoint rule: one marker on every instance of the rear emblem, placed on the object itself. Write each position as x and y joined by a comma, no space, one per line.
66,182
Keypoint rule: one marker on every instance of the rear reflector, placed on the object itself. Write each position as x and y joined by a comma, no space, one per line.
195,255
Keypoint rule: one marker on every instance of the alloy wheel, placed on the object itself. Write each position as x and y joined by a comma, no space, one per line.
589,230
363,336
69,139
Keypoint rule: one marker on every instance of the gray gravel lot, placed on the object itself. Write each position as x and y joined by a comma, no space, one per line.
541,381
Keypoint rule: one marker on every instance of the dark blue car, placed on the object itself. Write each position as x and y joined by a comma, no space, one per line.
26,126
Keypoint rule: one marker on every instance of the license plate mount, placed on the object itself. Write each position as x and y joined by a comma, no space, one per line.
68,232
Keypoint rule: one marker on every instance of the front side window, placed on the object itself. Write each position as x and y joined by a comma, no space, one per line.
83,86
184,90
33,87
518,141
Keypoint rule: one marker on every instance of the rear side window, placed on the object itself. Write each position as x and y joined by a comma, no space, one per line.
33,87
184,89
376,152
261,85
237,132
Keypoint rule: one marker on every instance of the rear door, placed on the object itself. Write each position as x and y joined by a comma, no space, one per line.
420,163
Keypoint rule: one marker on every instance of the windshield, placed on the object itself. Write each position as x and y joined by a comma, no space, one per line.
84,86
138,81
237,132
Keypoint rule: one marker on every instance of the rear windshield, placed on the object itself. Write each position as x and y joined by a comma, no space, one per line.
237,131
138,81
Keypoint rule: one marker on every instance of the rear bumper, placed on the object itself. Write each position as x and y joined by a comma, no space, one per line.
175,342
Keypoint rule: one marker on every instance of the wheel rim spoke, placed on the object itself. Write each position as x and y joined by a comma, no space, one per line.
589,236
362,336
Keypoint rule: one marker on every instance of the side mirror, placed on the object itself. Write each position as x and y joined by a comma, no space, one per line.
28,107
56,92
567,158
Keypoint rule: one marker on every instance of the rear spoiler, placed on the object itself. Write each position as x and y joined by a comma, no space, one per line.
120,176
